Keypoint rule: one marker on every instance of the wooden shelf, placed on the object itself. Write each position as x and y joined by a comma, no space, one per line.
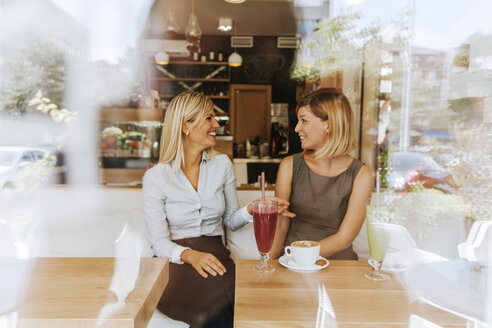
188,79
190,62
131,114
251,186
211,97
121,176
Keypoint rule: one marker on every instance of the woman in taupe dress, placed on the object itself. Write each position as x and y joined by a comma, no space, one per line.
327,188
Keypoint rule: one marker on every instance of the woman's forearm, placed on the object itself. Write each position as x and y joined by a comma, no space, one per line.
283,224
334,244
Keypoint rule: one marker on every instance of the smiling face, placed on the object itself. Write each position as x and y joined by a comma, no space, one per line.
311,129
203,134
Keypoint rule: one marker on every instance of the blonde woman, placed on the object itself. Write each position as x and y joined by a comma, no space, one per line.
327,188
187,198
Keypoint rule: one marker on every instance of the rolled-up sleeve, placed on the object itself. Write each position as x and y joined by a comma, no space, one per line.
153,204
233,218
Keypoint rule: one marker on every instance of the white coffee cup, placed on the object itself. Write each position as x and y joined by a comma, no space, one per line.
303,252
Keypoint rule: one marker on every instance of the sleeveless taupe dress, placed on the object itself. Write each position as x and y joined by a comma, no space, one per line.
320,204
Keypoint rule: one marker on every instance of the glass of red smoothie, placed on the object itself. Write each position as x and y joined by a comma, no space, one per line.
265,214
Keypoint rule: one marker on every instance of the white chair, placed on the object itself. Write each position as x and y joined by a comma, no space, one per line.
15,270
402,251
7,240
415,321
477,244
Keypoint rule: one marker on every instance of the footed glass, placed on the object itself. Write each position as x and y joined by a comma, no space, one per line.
378,241
265,224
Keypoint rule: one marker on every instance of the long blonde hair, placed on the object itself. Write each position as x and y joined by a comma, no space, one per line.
186,107
332,106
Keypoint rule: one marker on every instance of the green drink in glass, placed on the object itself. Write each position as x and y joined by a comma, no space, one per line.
378,240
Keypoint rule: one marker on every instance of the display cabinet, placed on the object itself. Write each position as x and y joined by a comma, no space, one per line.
129,139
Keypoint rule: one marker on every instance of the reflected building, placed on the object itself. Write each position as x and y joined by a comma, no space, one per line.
50,22
471,81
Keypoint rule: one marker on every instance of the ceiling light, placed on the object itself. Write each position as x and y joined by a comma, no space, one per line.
354,2
235,60
235,1
225,24
308,3
193,31
172,25
161,58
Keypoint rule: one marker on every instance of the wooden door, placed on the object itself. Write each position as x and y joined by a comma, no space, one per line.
250,112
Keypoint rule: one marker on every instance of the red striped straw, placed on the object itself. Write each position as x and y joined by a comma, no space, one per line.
263,186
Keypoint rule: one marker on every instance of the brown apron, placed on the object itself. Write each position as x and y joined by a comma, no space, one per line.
198,301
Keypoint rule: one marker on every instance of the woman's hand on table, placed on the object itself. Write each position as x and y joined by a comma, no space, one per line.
283,206
203,262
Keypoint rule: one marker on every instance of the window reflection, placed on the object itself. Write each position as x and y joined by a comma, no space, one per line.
418,75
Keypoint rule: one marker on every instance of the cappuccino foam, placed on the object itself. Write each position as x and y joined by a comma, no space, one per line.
305,243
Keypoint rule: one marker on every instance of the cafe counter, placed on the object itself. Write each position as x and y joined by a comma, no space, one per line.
248,169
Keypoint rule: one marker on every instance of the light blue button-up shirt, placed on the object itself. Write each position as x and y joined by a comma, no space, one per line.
173,209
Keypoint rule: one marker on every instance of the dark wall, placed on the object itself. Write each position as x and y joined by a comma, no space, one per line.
267,64
262,64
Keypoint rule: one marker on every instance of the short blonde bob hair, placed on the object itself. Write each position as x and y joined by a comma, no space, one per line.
190,107
332,106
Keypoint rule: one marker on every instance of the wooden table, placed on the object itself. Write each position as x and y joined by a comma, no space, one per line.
289,299
74,292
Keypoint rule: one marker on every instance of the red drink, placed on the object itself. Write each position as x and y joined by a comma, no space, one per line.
265,224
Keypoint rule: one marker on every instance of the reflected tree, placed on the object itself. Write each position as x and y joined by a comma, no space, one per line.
39,66
338,42
344,41
471,167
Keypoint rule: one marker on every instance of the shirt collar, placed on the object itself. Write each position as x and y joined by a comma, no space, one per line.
204,159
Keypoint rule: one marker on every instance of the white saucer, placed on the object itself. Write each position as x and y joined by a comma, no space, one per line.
291,265
408,260
396,268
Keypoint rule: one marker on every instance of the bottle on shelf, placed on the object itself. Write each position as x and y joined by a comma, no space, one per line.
211,56
220,55
277,139
195,56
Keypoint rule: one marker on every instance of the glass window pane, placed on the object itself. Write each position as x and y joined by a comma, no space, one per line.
7,157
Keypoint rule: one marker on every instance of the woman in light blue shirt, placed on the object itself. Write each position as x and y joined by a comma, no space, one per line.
187,198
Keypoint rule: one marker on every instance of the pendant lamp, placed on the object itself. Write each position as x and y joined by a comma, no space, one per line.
172,25
235,59
235,1
161,58
193,32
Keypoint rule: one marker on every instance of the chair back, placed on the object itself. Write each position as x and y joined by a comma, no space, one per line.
402,251
477,244
400,239
8,246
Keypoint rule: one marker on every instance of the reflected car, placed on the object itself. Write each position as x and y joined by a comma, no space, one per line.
408,168
15,159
